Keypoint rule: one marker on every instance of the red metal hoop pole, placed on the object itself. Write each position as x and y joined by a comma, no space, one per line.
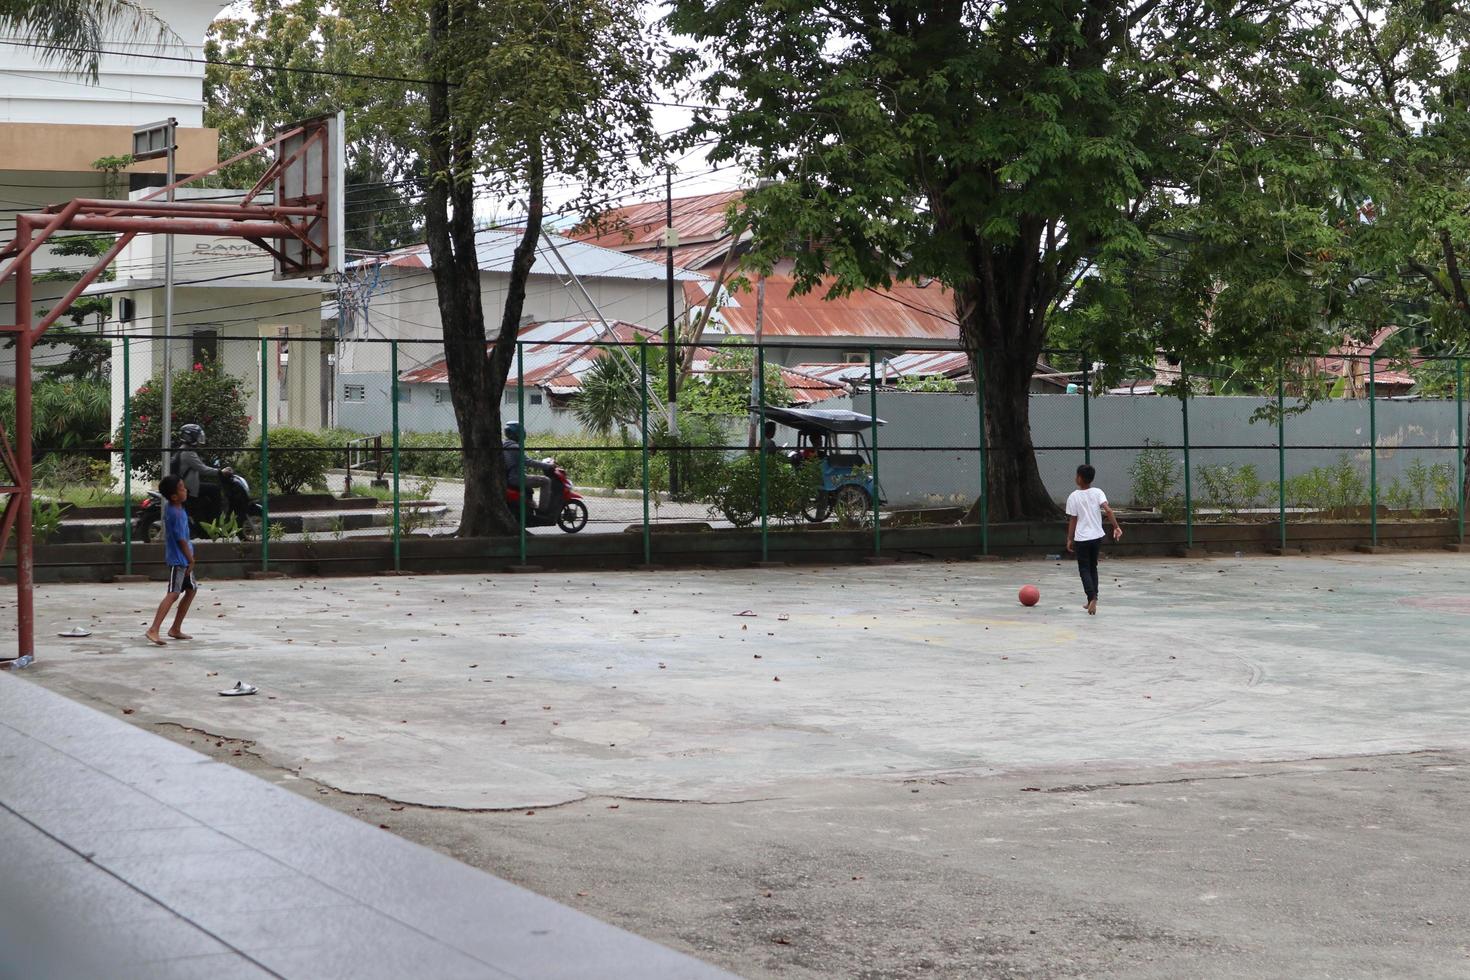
25,562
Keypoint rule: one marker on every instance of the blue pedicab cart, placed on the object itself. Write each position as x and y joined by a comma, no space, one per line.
834,439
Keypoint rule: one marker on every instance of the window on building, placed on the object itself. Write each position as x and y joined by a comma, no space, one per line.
441,396
855,357
534,398
354,393
405,393
204,347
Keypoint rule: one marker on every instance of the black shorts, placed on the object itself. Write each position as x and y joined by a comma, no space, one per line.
180,579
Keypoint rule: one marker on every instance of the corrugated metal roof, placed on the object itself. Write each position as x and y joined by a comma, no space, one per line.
495,248
912,364
555,356
639,227
906,311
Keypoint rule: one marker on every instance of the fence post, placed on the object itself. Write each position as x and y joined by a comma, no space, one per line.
265,458
1281,448
984,472
760,441
1460,440
1086,408
873,412
127,429
643,395
397,520
521,421
1373,446
1188,475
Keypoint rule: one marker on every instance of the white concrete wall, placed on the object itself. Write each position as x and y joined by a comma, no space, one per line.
130,91
929,455
405,307
297,383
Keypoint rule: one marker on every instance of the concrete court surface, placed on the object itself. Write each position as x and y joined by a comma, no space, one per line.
1238,768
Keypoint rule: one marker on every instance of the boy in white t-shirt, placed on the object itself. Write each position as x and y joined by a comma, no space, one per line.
1085,509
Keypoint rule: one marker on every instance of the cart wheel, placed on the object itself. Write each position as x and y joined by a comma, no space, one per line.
738,517
573,516
853,505
818,508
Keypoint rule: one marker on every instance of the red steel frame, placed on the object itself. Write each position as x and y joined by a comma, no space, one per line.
261,224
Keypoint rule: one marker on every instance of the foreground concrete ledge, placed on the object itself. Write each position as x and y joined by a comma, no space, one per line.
208,871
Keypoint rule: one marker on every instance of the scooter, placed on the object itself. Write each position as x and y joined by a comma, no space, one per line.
233,499
567,505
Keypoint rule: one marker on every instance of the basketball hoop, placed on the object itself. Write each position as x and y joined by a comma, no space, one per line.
301,227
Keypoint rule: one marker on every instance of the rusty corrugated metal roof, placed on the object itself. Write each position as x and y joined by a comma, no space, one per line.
699,220
555,355
906,311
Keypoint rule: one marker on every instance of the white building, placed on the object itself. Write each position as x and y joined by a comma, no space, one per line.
54,125
401,303
225,302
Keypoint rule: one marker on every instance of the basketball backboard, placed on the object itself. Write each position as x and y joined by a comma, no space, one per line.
311,165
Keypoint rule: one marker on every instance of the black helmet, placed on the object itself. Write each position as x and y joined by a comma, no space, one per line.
191,434
516,431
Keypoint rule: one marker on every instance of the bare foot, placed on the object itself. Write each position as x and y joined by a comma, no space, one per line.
179,636
1092,607
154,639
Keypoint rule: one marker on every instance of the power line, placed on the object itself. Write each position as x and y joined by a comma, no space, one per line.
363,76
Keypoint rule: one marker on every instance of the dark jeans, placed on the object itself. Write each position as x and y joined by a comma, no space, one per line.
1087,552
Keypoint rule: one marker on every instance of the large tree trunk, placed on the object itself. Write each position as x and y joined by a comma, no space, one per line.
1002,326
476,377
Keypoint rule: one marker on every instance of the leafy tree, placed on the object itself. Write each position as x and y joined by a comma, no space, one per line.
247,103
725,388
76,29
522,91
1019,151
609,398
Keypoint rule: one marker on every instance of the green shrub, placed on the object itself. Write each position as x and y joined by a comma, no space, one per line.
1442,479
732,489
64,414
1329,488
203,394
1228,488
1156,474
434,454
298,460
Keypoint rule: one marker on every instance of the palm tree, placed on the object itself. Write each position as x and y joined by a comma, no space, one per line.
74,31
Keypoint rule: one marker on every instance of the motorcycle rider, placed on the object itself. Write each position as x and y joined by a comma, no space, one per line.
194,471
513,450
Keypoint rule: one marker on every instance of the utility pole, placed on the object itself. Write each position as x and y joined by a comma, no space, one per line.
671,240
149,143
757,379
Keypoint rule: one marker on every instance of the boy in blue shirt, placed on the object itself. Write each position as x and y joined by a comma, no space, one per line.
180,556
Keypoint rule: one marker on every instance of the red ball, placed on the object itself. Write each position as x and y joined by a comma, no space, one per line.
1030,595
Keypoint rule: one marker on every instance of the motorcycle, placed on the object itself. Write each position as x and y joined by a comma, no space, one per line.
233,500
567,505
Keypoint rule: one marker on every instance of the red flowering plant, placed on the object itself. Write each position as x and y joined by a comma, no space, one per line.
203,394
